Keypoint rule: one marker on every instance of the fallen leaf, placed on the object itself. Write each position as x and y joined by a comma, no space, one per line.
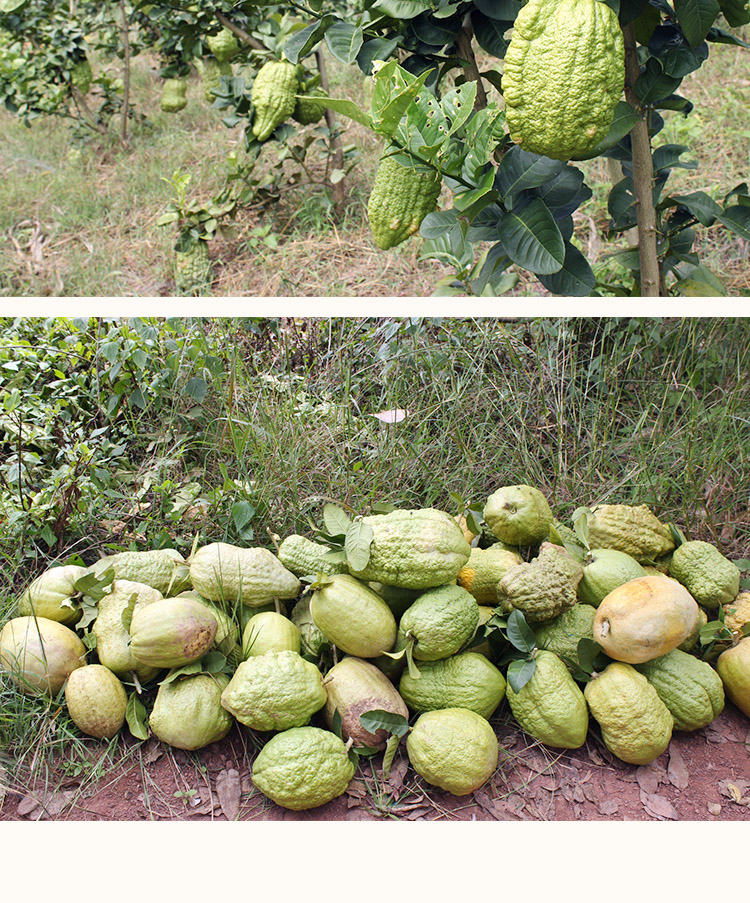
715,737
735,790
229,791
393,416
28,804
609,807
658,806
648,779
589,791
152,751
418,813
677,771
397,774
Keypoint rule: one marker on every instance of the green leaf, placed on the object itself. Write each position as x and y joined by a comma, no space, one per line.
127,615
519,633
700,205
625,118
136,717
213,662
402,9
390,753
654,84
588,650
336,520
357,544
299,44
532,239
337,724
737,218
349,109
411,666
580,521
344,41
696,18
576,278
700,282
736,12
182,671
520,673
379,719
434,225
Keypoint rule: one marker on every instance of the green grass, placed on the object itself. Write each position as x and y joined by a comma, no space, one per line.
87,227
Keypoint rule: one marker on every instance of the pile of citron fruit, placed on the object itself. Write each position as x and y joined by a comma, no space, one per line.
408,625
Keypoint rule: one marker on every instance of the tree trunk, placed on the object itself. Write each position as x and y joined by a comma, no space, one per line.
337,149
471,70
643,175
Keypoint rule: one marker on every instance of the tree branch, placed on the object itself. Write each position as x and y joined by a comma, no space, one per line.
236,30
643,175
126,75
471,70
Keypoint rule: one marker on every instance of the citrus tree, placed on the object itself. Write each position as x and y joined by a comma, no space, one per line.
506,143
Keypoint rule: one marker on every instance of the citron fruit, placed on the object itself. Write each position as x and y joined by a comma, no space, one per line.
96,701
302,768
454,749
39,654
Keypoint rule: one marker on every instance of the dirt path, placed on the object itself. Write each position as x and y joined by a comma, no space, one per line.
704,776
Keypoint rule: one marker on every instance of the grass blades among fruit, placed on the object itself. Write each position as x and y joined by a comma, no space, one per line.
161,657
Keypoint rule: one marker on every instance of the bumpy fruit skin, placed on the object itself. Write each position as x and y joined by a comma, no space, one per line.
733,666
81,76
211,75
269,631
543,588
550,707
414,549
603,570
454,749
174,95
308,110
274,96
441,621
171,633
304,557
275,691
223,45
689,687
353,616
313,642
354,686
163,569
402,196
466,681
645,618
226,573
563,76
562,634
96,701
737,612
188,713
50,595
709,577
112,637
633,529
303,768
227,639
192,269
484,570
38,654
518,515
636,725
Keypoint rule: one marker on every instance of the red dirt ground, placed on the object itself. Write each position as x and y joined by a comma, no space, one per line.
704,776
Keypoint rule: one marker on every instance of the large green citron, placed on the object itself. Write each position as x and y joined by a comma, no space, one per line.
403,193
274,96
563,76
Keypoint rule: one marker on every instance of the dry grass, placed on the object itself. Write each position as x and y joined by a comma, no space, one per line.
89,227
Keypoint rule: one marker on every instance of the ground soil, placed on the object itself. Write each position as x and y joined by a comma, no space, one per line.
704,776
